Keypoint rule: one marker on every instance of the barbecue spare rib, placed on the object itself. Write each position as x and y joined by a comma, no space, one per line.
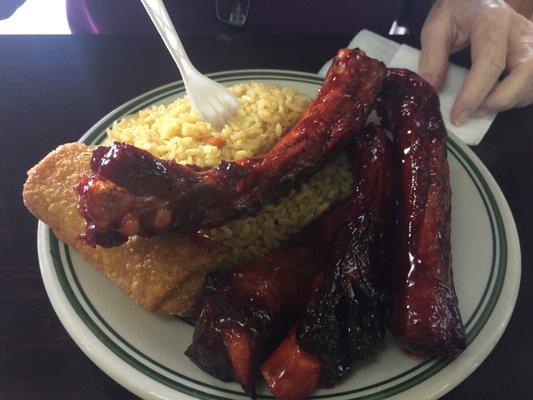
131,192
345,316
246,312
425,318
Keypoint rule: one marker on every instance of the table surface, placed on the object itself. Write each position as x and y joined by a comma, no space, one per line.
53,88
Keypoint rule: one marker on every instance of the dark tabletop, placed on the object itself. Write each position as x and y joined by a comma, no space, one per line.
52,89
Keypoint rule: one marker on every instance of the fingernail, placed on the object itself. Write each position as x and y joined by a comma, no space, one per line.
462,118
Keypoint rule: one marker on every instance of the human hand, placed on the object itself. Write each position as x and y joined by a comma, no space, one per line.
500,40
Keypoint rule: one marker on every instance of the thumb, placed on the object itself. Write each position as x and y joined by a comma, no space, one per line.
436,40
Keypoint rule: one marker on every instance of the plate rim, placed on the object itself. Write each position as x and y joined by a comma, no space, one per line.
509,229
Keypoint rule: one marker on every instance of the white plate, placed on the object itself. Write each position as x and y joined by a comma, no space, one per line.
144,352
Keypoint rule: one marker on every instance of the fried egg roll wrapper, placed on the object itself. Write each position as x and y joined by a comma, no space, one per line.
163,274
425,319
345,317
130,192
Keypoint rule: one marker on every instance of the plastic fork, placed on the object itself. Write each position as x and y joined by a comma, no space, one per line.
215,103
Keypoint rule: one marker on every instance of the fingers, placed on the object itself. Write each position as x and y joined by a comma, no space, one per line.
489,36
515,90
436,40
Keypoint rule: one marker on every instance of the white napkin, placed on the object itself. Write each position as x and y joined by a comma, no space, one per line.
403,56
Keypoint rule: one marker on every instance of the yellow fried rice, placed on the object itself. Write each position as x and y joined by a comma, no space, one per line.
176,132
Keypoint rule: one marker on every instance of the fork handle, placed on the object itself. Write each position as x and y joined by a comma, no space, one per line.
159,15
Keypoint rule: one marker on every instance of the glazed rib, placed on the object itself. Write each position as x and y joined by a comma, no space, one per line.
425,318
131,192
247,311
345,317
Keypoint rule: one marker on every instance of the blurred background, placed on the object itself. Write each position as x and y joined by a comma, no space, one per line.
193,16
65,17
